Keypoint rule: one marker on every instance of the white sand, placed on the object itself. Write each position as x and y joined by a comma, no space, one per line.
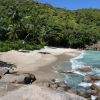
33,92
59,51
33,60
37,63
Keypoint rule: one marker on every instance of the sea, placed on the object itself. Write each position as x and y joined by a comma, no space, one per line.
87,58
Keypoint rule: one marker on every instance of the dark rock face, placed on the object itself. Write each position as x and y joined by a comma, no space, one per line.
5,64
30,78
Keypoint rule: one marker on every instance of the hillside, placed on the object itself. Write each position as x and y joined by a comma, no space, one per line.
27,24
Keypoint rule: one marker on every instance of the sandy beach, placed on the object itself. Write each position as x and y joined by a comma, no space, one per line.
40,62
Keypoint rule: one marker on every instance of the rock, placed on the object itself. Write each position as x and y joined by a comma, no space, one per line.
98,98
87,79
85,69
43,83
7,65
60,89
7,87
62,84
30,78
18,78
33,92
84,94
72,91
3,71
95,46
54,86
95,77
95,87
91,78
92,92
98,94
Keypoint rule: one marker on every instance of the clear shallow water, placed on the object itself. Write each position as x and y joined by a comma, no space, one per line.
90,58
86,58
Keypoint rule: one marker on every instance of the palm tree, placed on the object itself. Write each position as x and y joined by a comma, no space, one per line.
15,23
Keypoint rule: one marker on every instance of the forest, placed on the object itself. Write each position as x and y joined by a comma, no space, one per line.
28,24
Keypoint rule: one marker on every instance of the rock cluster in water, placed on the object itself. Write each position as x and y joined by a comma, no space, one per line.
88,88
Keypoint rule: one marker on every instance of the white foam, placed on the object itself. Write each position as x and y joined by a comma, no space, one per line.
93,97
80,73
76,64
97,83
85,85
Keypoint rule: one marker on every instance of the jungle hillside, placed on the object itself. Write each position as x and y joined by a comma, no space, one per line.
27,24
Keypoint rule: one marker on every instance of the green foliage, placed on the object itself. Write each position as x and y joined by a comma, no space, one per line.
27,24
16,45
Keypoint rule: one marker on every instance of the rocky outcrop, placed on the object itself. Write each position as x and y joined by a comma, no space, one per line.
18,78
94,46
33,92
7,65
3,71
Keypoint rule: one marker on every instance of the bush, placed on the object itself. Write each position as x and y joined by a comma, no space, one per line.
16,45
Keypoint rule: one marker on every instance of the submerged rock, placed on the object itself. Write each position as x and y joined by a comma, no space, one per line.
85,69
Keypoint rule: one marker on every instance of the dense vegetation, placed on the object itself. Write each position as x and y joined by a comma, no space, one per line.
27,24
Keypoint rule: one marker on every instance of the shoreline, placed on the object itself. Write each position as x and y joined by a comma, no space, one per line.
37,62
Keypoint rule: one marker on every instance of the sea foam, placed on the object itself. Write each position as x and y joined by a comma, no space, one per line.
77,64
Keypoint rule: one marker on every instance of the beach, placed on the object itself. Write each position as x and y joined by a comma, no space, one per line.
40,62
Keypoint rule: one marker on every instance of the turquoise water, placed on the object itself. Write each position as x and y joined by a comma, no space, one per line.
86,58
91,58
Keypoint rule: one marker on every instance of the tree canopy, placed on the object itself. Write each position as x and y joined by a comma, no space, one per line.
26,24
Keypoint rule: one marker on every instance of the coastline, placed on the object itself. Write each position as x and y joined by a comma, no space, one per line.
41,63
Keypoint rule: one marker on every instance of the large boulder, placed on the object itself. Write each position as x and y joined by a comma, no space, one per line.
29,78
18,78
33,92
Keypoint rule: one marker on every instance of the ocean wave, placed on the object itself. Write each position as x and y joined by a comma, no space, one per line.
77,64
